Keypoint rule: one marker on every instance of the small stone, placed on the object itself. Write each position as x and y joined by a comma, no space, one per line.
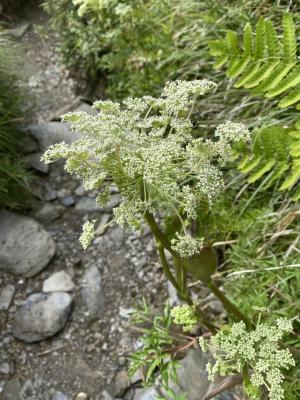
125,312
25,247
60,396
6,296
51,195
49,212
4,368
92,291
19,31
48,133
86,205
122,382
68,201
42,316
58,282
79,191
107,396
81,396
146,394
36,163
63,193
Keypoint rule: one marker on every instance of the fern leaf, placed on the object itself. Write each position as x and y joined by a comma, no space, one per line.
260,39
272,40
248,40
277,75
247,75
295,134
291,180
247,167
278,173
290,81
292,98
296,195
218,64
262,171
216,47
232,43
289,39
297,124
295,150
262,73
238,67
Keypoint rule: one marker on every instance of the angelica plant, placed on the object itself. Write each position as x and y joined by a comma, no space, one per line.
147,148
256,354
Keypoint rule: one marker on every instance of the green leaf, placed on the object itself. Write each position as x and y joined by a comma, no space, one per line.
291,98
289,39
263,170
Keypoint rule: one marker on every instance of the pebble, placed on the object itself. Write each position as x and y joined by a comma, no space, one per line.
92,291
60,281
81,396
6,296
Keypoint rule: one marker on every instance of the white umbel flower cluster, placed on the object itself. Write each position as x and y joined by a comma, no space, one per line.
259,350
186,246
145,147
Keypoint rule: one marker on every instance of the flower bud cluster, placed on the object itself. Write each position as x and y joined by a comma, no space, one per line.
258,349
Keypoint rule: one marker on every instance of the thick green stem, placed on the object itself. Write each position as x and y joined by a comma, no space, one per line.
230,307
182,292
166,268
159,235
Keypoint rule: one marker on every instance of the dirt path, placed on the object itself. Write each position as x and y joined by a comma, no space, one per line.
90,351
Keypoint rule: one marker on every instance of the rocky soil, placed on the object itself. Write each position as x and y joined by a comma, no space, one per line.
65,330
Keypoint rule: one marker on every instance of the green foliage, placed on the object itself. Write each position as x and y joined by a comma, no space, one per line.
157,351
238,350
13,177
139,45
264,63
274,159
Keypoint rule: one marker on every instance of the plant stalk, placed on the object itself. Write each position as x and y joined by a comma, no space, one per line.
230,307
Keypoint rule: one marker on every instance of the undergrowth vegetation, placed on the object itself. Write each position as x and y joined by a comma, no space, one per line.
13,176
222,204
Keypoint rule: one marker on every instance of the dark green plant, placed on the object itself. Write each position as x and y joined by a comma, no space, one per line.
274,160
13,176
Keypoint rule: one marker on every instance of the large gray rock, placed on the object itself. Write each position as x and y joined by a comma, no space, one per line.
48,133
25,247
42,316
36,163
58,282
88,204
192,375
92,291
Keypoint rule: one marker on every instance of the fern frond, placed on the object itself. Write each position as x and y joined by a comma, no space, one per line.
262,73
260,39
289,39
248,40
291,98
262,171
275,154
291,80
259,64
277,75
272,40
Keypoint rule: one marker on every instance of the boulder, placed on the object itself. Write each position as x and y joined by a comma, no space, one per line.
25,247
42,316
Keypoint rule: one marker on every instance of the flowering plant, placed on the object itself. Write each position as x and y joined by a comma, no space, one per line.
146,147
